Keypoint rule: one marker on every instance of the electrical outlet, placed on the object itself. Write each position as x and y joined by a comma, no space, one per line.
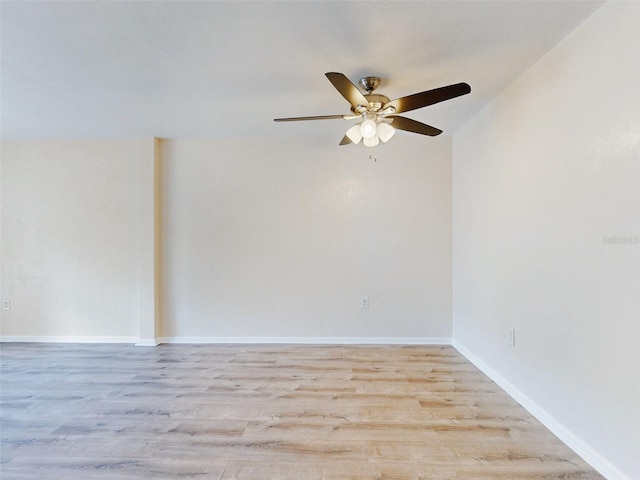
6,304
364,302
512,337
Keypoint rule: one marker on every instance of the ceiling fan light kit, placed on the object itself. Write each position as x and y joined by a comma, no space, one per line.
354,134
378,113
385,132
368,128
371,142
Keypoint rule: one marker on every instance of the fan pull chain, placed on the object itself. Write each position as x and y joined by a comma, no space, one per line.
374,156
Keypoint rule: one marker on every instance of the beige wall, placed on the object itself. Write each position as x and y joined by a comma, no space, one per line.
271,239
543,178
70,239
276,238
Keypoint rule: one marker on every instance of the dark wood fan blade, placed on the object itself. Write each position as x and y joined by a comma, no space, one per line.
345,140
429,97
404,123
318,117
347,89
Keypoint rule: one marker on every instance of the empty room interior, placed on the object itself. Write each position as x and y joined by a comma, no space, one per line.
428,267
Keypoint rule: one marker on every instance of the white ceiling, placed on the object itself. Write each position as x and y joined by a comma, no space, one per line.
226,69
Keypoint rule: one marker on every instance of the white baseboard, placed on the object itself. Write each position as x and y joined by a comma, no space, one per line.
64,339
313,340
152,342
591,456
147,342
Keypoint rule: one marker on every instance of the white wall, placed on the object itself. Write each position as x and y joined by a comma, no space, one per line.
281,238
70,239
543,177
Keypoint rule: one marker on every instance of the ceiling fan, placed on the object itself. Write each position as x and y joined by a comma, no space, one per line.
378,114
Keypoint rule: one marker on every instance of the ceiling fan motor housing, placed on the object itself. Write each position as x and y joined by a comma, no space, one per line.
376,101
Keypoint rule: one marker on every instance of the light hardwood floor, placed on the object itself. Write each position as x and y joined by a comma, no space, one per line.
265,412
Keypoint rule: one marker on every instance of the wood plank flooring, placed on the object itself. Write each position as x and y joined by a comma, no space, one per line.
260,412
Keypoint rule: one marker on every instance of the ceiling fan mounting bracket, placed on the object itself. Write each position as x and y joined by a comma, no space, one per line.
370,83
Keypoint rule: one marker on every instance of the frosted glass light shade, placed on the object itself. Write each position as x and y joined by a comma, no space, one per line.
368,128
354,134
371,142
385,132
